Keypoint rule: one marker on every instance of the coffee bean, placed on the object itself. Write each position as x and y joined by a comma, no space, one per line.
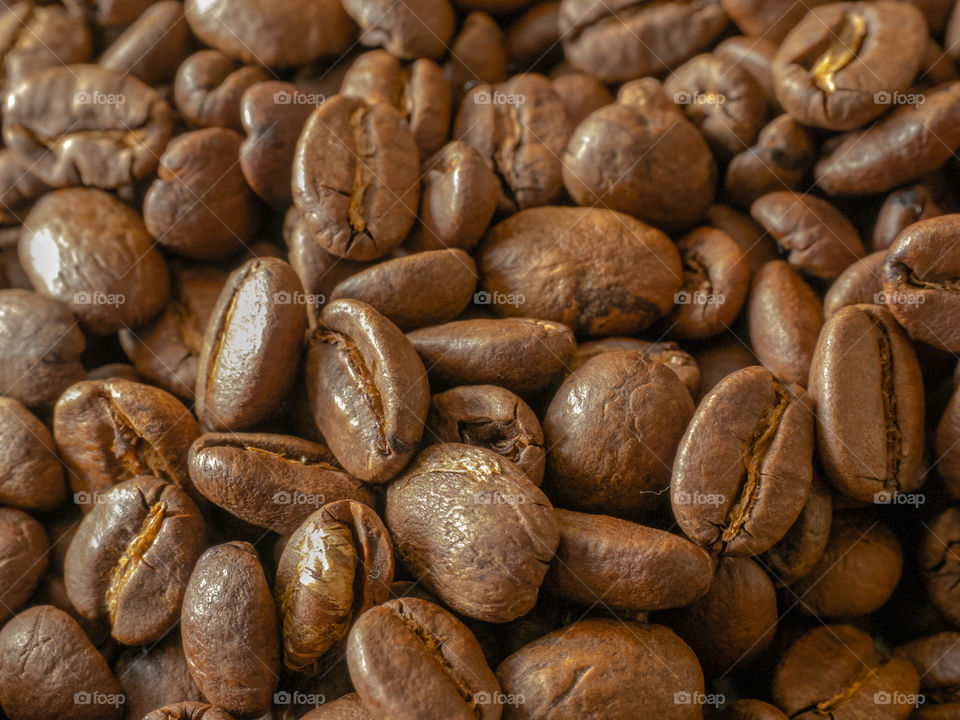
860,283
294,477
752,710
410,637
31,476
939,563
408,31
472,526
349,707
19,188
837,670
152,47
229,627
108,13
38,37
49,670
368,390
754,52
901,208
23,546
756,245
935,659
597,271
92,252
519,354
209,87
356,177
948,445
478,53
580,94
534,34
251,347
131,558
744,466
621,400
921,281
153,675
718,360
189,710
336,566
608,669
796,553
107,129
867,390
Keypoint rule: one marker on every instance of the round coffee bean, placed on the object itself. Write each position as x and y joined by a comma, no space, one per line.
31,476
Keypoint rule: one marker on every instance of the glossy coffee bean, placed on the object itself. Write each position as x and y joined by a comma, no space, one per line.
668,354
31,475
861,282
838,670
939,563
24,547
92,252
902,207
472,526
603,669
796,554
153,46
578,266
294,477
491,417
867,390
50,670
229,627
132,556
744,466
412,638
152,676
111,431
624,565
209,87
519,354
368,390
251,347
921,278
622,400
356,177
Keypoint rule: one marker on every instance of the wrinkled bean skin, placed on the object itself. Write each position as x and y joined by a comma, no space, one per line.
229,628
31,476
45,662
100,144
209,88
750,444
131,558
611,401
441,670
24,547
578,266
475,529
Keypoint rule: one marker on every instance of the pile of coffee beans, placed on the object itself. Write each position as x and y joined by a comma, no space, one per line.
480,360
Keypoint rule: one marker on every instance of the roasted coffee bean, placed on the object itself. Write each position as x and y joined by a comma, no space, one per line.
368,390
229,628
31,476
603,669
935,659
474,529
154,676
642,158
23,547
52,590
19,188
615,400
200,205
752,710
35,37
534,34
668,354
835,65
519,354
784,316
940,563
189,710
49,670
624,40
780,159
411,30
796,554
520,128
921,281
281,33
755,55
756,245
110,431
624,565
716,277
294,477
744,466
718,360
948,445
115,370
458,200
861,282
153,46
902,208
132,556
734,622
166,350
426,288
92,252
768,20
818,238
836,671
336,566
356,177
413,638
209,87
857,572
478,54
251,347
420,92
580,94
597,271
348,707
867,390
82,124
491,417
911,141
